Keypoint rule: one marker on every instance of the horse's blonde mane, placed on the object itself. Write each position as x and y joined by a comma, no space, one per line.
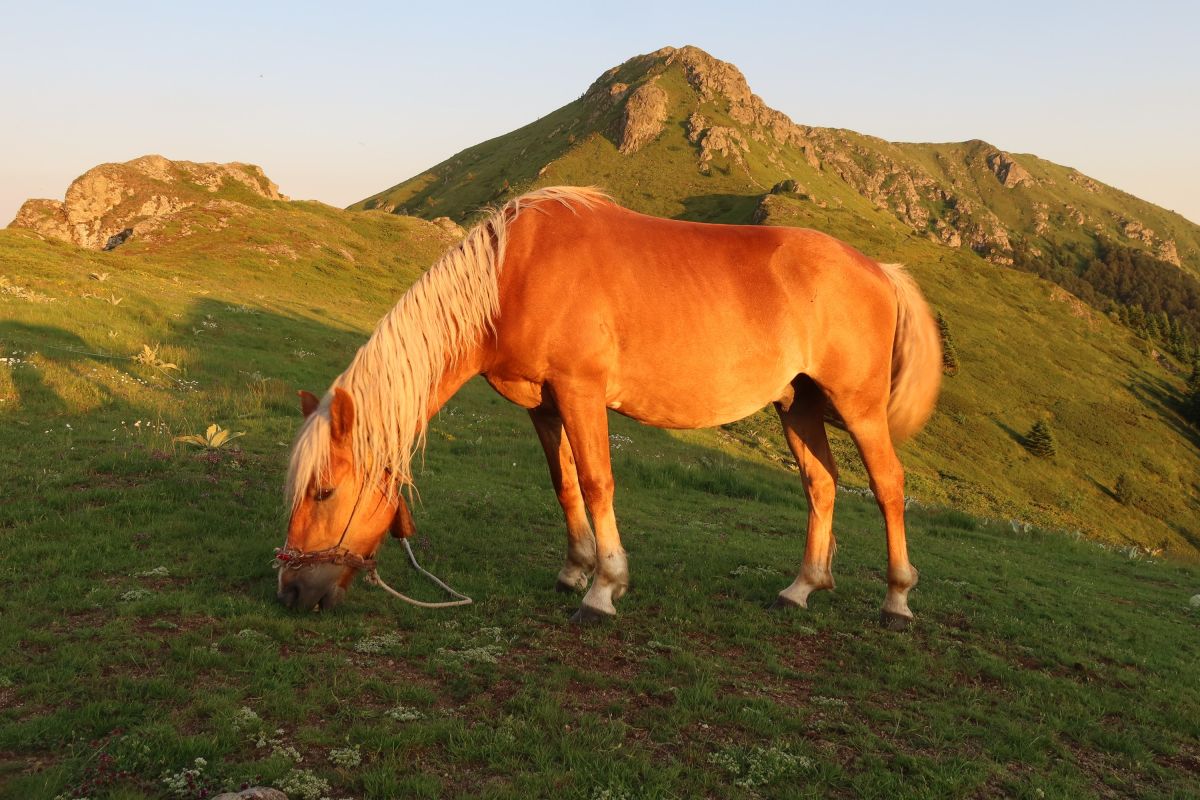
393,375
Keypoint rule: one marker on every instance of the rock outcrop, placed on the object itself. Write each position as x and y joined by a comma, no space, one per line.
644,115
449,226
113,203
723,83
1008,171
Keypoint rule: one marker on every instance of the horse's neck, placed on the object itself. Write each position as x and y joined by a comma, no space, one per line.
457,373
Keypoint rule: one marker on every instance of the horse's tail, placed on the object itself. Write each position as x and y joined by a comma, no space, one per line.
916,357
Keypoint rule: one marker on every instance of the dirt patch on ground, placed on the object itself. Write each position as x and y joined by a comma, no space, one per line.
1104,770
573,647
1186,760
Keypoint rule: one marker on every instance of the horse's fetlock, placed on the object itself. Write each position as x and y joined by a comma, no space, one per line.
902,578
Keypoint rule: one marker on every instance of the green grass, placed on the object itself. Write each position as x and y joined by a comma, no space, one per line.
139,620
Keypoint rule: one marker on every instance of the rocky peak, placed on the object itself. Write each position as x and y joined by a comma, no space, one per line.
113,203
716,84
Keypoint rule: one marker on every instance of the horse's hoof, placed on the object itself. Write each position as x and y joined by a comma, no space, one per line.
783,605
566,587
893,621
586,615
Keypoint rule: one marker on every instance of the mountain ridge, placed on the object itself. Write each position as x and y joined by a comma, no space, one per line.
935,188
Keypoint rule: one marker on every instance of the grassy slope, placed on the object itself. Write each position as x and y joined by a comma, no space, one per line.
1041,665
1028,349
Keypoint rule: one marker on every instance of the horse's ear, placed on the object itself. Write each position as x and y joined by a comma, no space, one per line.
341,415
403,526
308,402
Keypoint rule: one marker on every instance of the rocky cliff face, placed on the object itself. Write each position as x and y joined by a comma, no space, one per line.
113,203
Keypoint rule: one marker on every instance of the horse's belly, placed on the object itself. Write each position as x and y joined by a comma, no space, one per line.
676,396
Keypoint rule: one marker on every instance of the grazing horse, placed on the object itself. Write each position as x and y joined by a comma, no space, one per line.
570,305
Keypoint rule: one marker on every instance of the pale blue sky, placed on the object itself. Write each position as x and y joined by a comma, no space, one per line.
338,101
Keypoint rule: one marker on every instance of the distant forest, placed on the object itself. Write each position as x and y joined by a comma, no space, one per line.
1154,298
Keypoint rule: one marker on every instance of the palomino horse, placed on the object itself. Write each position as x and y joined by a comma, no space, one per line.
570,305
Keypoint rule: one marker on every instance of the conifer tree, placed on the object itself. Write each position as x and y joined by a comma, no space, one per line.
949,351
1191,395
1040,440
1124,489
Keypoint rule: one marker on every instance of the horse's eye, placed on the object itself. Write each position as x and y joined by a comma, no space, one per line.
323,494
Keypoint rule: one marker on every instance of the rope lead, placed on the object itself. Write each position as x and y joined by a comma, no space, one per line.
372,577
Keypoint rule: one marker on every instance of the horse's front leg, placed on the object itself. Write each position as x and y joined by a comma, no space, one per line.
585,420
581,542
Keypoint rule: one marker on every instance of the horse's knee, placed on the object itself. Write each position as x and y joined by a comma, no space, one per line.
598,489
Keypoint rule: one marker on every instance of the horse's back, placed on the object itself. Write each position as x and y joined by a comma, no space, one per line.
687,324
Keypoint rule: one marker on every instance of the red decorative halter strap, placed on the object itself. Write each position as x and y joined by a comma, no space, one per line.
290,558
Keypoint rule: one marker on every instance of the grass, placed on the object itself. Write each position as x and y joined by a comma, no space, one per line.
139,631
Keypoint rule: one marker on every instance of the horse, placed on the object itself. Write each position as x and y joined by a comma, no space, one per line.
569,305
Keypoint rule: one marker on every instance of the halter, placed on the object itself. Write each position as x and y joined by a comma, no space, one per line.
291,558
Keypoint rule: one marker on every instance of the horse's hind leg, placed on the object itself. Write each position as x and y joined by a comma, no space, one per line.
804,428
874,441
581,542
586,423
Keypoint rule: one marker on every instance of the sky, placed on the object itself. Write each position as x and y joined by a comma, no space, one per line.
339,101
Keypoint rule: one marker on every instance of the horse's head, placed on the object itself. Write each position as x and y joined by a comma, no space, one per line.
339,516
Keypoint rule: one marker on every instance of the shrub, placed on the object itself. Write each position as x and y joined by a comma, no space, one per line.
949,351
1040,440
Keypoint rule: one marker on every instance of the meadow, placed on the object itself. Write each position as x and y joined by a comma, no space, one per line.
143,654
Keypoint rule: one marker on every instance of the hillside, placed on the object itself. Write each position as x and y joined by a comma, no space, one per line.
198,282
679,133
143,653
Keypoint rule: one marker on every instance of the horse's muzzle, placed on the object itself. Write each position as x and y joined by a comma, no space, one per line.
311,587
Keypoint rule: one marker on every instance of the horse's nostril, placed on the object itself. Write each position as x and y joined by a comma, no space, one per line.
331,598
288,594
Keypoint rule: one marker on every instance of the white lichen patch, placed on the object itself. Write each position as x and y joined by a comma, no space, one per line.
379,643
404,713
746,569
303,784
345,757
245,718
486,654
758,766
